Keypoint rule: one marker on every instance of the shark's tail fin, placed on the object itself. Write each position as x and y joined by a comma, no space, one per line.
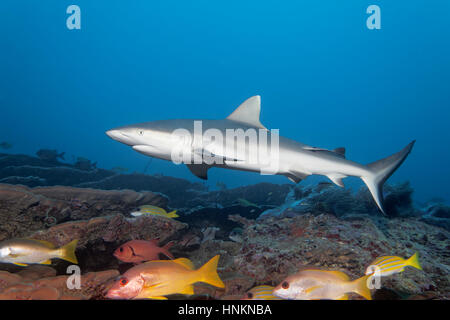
381,170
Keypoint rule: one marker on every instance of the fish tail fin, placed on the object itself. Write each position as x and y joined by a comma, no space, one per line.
172,214
208,273
360,287
165,249
67,252
413,261
379,171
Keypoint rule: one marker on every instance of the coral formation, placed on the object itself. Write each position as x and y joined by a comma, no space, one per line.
23,210
274,248
42,283
262,232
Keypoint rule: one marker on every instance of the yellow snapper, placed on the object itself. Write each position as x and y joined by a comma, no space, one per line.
22,252
261,293
159,278
148,209
321,284
389,265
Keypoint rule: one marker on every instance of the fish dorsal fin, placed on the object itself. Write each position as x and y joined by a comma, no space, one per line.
339,274
154,241
185,263
248,112
200,170
45,243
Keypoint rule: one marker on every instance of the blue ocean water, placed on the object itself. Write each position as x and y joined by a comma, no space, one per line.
325,79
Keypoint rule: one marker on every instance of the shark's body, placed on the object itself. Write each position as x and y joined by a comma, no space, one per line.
294,160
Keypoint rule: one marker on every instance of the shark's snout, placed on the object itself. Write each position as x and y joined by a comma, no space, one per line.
113,134
120,136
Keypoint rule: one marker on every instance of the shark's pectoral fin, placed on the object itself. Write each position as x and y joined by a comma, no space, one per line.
200,170
248,112
213,156
295,177
337,179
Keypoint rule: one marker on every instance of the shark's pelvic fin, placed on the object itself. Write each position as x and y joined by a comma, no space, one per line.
381,170
200,170
248,112
337,179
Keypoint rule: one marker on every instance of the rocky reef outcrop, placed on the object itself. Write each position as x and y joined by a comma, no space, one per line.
42,283
23,209
263,232
275,248
50,171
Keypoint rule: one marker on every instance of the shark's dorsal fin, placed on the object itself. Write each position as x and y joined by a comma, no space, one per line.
340,151
248,112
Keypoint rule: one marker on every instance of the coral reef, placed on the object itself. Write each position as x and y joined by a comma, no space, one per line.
183,194
42,283
50,155
263,232
438,215
274,248
23,210
328,198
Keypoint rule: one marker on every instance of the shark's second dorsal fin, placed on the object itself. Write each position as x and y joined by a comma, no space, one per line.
248,112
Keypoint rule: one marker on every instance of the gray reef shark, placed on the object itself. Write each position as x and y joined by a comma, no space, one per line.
241,142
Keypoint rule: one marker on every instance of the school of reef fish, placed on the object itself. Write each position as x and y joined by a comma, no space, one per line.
142,236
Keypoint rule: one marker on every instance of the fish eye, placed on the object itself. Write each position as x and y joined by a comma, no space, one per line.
123,281
121,249
250,295
285,285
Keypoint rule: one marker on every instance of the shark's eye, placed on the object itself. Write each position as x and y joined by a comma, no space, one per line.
121,249
141,132
123,281
250,295
285,285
